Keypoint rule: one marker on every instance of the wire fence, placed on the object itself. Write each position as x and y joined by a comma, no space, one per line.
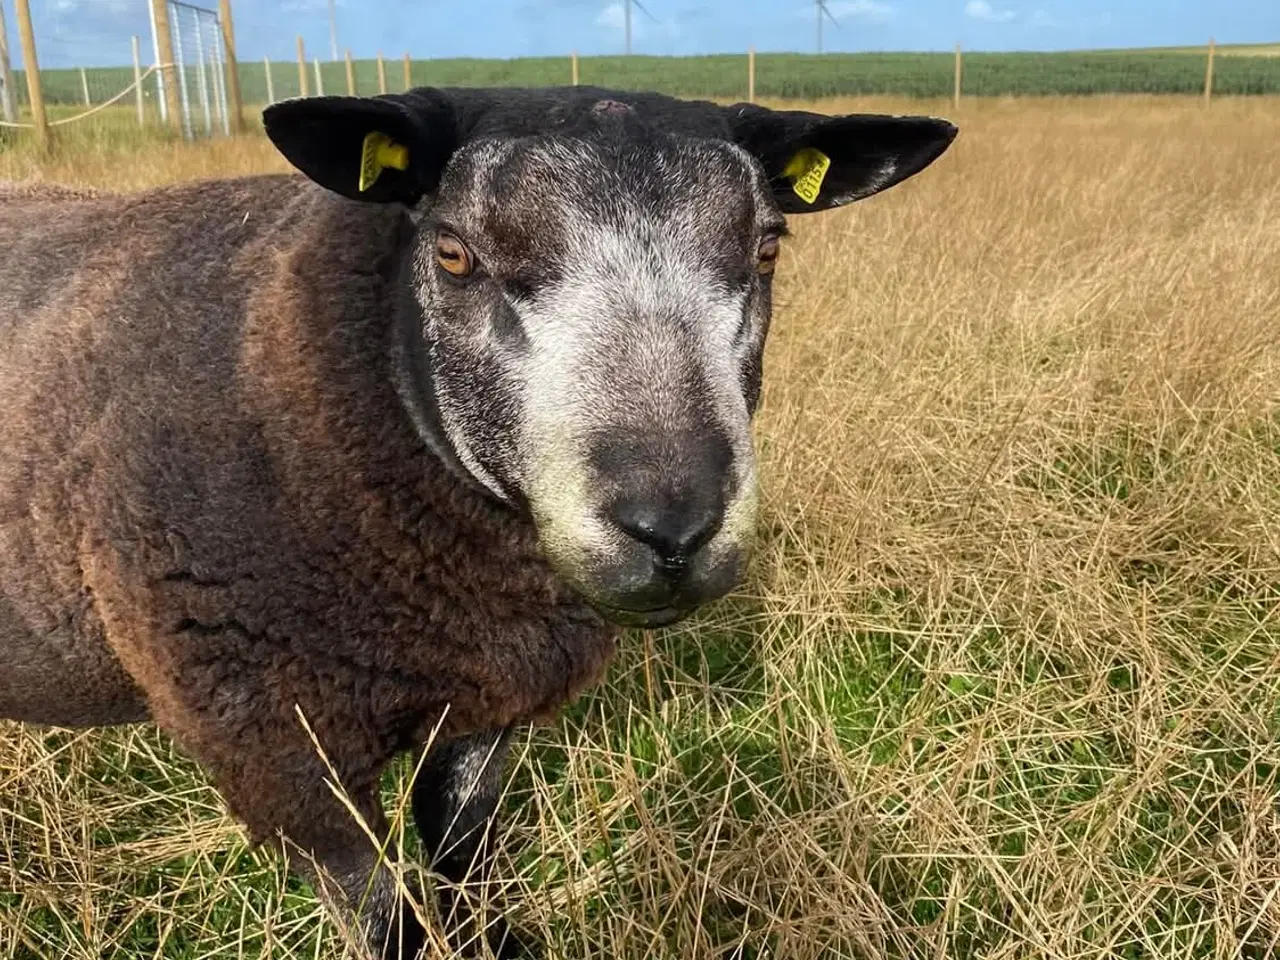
77,38
927,75
169,67
803,76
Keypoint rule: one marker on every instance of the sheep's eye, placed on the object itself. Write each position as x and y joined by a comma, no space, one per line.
453,256
767,254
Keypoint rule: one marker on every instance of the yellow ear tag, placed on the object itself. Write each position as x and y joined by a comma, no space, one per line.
380,152
807,169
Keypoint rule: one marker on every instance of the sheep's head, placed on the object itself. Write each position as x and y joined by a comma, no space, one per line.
590,290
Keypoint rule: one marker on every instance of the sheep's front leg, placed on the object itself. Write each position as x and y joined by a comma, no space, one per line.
325,844
454,800
273,780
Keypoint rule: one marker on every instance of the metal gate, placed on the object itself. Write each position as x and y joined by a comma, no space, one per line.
199,70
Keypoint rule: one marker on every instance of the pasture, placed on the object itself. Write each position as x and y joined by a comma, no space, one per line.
1005,679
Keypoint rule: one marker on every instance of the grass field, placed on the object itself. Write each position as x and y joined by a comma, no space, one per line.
1241,70
1005,680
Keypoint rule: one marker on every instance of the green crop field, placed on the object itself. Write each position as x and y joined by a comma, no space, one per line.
778,75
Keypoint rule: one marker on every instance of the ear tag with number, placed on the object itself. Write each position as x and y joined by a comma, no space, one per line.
807,169
379,153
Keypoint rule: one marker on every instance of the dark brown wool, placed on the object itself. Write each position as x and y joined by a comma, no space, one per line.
213,505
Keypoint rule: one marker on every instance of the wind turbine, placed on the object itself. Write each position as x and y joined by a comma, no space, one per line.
820,11
626,8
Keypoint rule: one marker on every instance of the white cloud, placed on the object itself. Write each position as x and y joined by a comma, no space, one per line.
983,10
1044,20
614,19
113,8
872,10
309,6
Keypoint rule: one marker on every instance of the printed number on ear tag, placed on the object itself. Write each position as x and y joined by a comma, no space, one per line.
807,169
380,152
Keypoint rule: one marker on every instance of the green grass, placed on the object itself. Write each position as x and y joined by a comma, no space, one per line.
778,75
722,762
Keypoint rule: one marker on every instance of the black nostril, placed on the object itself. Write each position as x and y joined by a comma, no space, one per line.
674,531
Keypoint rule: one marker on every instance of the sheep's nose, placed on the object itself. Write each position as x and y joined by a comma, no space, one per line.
675,529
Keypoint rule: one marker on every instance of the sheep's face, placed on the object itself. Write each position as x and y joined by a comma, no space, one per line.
591,287
596,310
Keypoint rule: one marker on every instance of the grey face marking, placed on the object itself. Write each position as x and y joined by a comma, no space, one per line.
601,365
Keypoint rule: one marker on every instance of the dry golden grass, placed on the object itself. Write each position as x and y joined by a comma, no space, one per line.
1005,681
1252,50
1230,49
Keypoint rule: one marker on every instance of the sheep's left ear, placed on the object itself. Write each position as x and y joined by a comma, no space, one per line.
385,149
816,162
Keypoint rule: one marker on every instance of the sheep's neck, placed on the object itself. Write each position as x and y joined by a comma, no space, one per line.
422,581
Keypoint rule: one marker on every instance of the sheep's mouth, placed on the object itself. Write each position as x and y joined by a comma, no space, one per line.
645,619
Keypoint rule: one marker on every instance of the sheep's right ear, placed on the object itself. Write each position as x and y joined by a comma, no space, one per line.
816,162
386,149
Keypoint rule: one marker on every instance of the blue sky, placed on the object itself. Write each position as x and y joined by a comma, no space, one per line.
97,31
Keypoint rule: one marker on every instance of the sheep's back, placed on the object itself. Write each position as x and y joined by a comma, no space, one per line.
120,317
205,467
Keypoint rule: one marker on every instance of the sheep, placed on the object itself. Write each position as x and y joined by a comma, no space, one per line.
403,443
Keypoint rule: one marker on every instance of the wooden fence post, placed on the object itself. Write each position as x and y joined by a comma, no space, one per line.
751,75
382,74
408,73
302,68
84,88
8,98
351,75
137,83
955,93
271,89
168,65
315,62
1208,74
31,65
573,67
233,71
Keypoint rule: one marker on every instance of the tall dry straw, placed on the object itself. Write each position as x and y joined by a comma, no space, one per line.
1005,681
